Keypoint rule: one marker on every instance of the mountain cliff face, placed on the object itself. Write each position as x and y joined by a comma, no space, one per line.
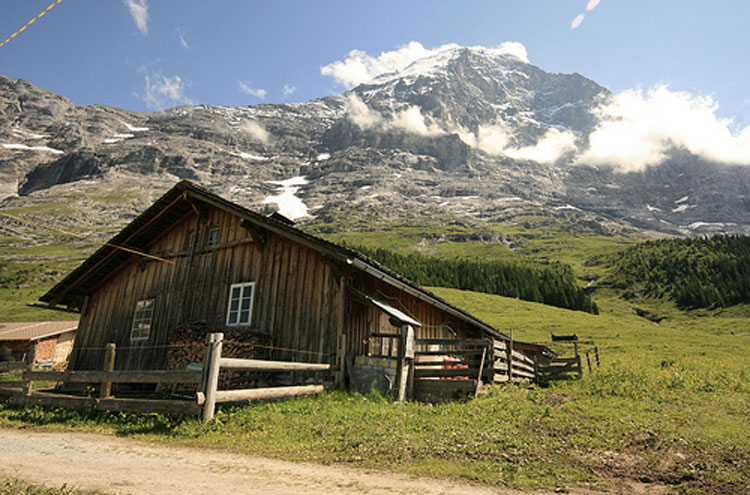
469,133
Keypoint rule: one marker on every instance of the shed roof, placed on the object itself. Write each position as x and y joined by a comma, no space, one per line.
35,330
178,202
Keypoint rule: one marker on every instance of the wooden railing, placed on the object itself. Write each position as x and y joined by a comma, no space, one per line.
206,397
511,365
209,395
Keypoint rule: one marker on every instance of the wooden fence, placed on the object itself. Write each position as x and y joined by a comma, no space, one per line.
464,365
209,395
566,368
206,381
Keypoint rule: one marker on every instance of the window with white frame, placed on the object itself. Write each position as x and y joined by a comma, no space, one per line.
144,314
240,309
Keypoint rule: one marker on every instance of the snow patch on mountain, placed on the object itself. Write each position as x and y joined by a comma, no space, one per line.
23,147
289,204
133,128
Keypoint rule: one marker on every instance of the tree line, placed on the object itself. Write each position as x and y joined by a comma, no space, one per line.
552,284
695,273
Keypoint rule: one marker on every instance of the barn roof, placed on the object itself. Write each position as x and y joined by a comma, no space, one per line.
35,330
178,202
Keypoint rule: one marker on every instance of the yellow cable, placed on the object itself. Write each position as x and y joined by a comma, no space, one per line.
32,21
134,251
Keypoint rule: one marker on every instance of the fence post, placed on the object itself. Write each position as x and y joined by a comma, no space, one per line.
588,361
340,354
596,355
509,354
536,368
405,357
481,370
491,363
109,365
31,356
30,359
211,374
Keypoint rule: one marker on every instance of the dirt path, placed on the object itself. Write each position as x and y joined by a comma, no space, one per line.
128,466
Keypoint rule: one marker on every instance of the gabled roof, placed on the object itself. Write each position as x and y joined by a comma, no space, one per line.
35,330
178,202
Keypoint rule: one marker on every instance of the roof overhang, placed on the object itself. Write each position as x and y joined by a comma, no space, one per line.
399,316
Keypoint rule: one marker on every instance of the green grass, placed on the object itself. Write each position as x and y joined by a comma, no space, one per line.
15,486
668,404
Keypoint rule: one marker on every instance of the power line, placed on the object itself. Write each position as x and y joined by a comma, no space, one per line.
129,250
32,21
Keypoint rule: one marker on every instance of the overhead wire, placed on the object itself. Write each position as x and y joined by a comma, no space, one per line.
108,244
32,21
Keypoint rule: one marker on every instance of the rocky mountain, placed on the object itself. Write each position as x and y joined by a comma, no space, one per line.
466,132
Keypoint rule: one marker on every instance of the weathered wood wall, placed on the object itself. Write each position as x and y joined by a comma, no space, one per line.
301,300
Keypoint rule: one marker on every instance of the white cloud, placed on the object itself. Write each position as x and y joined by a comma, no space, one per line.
409,119
181,37
139,13
591,5
289,90
553,145
359,67
163,92
577,21
255,131
256,92
638,130
495,140
513,48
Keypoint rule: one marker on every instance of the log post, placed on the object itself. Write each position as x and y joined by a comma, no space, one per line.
31,356
30,359
340,354
596,355
405,357
481,370
509,354
211,376
588,361
536,368
491,358
109,365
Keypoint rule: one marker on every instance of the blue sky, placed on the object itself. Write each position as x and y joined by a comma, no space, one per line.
149,54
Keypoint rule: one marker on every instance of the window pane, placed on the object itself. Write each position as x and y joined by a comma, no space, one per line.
235,293
245,317
142,318
246,304
247,291
235,305
232,317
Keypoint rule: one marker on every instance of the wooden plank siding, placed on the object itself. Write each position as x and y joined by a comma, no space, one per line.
302,298
295,300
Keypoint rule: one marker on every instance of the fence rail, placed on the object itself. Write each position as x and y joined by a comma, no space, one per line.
206,381
13,366
210,395
152,376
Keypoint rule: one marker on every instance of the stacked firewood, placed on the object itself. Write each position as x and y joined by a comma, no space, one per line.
188,345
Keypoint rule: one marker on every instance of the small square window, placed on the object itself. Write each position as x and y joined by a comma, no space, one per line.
240,307
213,237
144,313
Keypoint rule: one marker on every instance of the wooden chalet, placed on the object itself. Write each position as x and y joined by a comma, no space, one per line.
214,265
